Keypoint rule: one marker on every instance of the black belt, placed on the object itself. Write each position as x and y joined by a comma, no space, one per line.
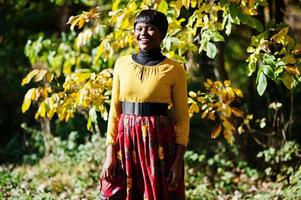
148,109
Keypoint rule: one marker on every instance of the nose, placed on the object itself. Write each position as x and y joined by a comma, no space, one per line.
144,31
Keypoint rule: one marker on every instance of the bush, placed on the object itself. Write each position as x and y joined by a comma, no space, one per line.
71,171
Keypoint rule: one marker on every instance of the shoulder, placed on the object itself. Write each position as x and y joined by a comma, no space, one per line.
123,59
176,66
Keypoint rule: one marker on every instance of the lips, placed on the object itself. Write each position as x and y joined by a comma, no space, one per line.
144,40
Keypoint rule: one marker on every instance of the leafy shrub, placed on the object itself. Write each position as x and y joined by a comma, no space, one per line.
217,172
281,163
71,171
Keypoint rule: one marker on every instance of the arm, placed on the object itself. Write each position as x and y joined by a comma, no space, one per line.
176,168
181,120
115,108
109,166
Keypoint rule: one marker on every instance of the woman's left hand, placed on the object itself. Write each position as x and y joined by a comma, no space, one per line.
174,175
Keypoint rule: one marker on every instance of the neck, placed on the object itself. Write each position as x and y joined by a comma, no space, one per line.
151,57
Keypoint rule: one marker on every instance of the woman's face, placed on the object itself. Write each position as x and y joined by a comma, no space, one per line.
148,36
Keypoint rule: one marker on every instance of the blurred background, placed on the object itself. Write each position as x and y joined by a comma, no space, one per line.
60,157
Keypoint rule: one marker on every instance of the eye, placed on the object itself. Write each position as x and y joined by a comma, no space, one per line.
138,28
151,28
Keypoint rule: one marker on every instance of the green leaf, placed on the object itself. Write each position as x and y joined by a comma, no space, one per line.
262,83
203,45
92,117
228,27
270,60
167,43
268,70
236,12
254,23
211,50
251,67
278,71
255,41
250,49
217,37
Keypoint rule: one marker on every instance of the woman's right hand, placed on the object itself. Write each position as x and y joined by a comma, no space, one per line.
109,166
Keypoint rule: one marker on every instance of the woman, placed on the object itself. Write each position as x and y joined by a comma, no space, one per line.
145,148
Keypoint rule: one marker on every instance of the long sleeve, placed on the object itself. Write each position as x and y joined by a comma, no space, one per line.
115,108
180,106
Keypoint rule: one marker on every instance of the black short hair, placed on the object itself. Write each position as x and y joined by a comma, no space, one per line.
153,17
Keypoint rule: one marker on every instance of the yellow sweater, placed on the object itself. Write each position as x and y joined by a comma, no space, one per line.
162,83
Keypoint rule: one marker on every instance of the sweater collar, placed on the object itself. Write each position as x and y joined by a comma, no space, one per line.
152,57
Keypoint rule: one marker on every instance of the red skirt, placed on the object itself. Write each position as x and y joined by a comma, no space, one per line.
145,148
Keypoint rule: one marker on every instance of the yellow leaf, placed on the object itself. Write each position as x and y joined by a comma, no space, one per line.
193,3
204,114
40,75
250,116
288,80
218,84
228,136
293,70
49,76
215,133
89,123
36,116
211,115
296,52
52,109
163,6
27,99
289,59
238,92
192,94
227,83
241,130
204,106
227,124
107,72
29,76
249,11
209,82
201,99
186,3
251,3
230,92
42,109
207,86
115,4
158,1
80,20
219,105
84,37
226,110
194,108
280,37
178,6
237,112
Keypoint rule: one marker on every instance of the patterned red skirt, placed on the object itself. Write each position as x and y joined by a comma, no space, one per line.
145,152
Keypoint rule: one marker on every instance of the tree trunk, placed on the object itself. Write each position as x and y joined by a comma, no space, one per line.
47,136
292,17
219,66
65,14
